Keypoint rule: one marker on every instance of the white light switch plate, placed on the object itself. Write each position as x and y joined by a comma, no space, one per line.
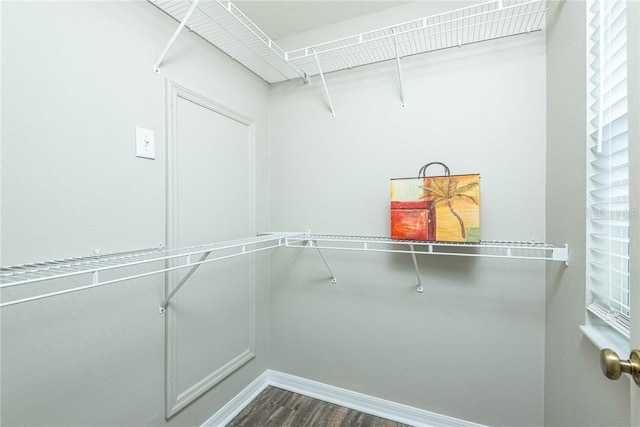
145,143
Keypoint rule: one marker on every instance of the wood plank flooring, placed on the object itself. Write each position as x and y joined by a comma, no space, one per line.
280,408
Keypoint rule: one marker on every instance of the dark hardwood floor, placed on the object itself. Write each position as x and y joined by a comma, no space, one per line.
280,408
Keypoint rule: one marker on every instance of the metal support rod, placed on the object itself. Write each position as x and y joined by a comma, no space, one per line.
395,41
419,287
334,280
156,65
163,304
324,84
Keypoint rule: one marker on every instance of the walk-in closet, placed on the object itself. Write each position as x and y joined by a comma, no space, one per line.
396,207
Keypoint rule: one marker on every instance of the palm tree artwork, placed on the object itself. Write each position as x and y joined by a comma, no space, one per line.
446,191
436,208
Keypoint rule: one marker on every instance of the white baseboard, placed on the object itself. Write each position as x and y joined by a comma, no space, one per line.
237,404
339,396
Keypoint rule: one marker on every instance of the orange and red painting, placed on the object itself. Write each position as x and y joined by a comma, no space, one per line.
436,208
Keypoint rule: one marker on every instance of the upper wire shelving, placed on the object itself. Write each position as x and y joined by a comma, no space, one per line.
482,22
222,24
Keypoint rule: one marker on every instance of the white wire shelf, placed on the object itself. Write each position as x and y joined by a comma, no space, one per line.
482,22
223,25
88,268
486,248
226,27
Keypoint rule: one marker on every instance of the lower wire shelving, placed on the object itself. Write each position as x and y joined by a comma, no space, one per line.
158,260
531,250
486,248
89,268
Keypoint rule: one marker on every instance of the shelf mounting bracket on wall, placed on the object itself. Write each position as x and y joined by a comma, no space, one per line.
334,280
172,40
419,287
398,57
163,304
324,84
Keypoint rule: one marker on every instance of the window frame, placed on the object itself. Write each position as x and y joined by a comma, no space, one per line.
607,229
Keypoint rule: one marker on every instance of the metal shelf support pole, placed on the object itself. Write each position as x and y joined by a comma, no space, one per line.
419,287
324,84
334,280
163,304
395,41
156,65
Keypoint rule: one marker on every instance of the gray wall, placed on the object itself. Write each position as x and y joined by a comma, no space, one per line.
576,393
76,80
471,346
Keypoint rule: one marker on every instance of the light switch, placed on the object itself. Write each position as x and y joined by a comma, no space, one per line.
145,143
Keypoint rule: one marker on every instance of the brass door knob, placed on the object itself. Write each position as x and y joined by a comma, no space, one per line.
612,367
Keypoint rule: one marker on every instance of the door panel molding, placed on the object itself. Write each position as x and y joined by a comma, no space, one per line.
177,395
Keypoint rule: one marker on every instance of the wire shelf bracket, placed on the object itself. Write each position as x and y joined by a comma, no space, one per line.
419,287
163,304
174,37
326,90
398,56
334,279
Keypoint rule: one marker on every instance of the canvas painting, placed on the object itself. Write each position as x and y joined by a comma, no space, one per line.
436,208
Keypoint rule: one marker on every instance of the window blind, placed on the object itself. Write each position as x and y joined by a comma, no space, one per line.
608,235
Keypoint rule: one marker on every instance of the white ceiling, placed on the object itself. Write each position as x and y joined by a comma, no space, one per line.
279,18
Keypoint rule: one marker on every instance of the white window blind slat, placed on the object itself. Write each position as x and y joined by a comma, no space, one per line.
612,119
617,175
604,253
608,181
608,135
609,239
611,159
615,191
608,222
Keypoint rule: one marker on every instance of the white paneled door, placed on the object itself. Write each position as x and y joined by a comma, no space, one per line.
210,320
